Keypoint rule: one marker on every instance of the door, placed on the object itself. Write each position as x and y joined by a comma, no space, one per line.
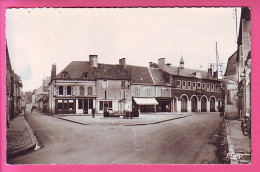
194,103
212,105
184,100
85,109
203,104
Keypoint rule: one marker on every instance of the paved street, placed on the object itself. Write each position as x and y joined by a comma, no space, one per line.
181,141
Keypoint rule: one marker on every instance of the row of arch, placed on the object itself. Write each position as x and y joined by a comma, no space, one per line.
194,103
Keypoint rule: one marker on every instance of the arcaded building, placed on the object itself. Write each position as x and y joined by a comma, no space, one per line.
84,85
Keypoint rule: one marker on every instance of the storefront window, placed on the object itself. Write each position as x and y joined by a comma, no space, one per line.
80,104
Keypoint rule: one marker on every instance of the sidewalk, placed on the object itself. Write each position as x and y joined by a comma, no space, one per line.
19,137
239,145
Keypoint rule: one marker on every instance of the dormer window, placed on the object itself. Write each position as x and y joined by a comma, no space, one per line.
85,75
65,75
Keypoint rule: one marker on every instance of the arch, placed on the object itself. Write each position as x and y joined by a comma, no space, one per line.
184,103
203,101
184,95
194,103
212,104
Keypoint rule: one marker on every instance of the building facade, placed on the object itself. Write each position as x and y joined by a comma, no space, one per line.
231,88
192,90
13,91
244,61
84,85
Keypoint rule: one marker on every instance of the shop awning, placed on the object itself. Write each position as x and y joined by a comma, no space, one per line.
146,101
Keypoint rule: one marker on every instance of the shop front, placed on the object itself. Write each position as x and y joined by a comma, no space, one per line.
65,106
164,105
145,104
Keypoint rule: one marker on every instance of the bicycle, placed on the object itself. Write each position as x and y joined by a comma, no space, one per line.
246,126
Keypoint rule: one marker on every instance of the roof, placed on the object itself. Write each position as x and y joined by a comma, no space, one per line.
231,65
76,69
158,76
140,75
186,72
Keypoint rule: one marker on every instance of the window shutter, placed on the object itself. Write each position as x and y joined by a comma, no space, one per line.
72,90
57,90
65,90
93,91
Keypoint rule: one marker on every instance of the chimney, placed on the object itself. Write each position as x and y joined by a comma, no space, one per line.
123,63
150,64
215,74
210,72
93,60
53,71
161,63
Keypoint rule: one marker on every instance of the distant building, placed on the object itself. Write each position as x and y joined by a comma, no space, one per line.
13,91
40,96
192,90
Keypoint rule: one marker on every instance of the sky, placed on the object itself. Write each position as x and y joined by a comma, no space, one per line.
39,37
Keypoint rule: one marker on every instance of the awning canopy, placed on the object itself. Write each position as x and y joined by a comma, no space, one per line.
146,101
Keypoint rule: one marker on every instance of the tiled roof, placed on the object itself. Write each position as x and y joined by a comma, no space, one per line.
186,72
158,76
76,69
231,65
140,75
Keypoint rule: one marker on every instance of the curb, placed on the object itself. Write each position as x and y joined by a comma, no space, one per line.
230,144
26,149
157,122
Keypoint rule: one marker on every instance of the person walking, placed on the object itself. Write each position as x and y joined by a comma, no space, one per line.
93,112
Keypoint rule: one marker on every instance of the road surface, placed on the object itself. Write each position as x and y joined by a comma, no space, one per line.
181,141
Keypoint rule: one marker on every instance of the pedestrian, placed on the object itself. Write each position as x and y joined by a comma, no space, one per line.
222,111
93,112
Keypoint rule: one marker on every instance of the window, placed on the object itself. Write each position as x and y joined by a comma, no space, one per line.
105,104
123,84
137,91
199,85
80,104
104,84
216,87
105,92
168,93
81,90
194,86
203,85
90,91
85,75
148,92
123,94
189,85
68,90
208,87
65,75
212,87
178,84
60,90
183,84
